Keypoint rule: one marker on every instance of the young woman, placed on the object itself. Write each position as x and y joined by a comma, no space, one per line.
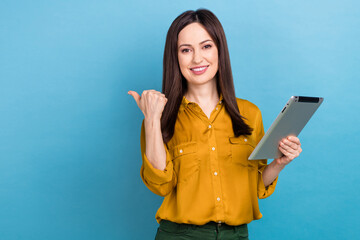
197,136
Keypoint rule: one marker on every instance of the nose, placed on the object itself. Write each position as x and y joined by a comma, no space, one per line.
197,57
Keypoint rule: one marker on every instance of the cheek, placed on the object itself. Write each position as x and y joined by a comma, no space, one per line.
214,61
212,57
183,63
215,57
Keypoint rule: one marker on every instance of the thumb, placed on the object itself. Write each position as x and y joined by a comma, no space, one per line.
136,96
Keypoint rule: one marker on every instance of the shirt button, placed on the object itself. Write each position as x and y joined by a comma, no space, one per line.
213,148
220,102
181,151
218,199
217,108
209,126
215,173
245,140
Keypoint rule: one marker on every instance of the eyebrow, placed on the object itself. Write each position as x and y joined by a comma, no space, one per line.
199,44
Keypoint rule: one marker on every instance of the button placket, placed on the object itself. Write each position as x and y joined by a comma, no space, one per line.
214,163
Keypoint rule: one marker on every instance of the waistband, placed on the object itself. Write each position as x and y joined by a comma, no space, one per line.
209,225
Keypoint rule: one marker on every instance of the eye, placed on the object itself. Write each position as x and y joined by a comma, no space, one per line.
207,46
185,50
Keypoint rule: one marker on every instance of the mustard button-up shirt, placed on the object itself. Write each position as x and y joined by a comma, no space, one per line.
208,176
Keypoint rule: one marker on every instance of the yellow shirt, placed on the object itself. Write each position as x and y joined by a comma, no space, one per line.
208,176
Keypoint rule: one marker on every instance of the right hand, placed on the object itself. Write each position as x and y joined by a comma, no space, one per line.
151,103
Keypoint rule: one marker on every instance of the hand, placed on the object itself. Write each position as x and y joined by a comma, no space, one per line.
291,148
151,103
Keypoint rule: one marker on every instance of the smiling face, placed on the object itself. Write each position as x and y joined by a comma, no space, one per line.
197,54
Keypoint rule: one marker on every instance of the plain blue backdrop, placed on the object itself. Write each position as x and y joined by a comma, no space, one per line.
69,133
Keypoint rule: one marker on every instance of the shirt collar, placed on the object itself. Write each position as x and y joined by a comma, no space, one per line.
185,102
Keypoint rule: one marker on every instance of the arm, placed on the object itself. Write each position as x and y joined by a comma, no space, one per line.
152,104
271,171
157,168
159,181
155,150
291,148
268,173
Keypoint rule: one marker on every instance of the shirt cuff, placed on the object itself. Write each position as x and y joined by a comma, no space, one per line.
157,176
264,192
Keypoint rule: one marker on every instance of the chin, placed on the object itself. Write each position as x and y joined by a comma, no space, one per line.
200,80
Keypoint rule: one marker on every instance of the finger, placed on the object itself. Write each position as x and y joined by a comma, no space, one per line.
150,91
136,96
290,144
288,155
147,91
283,151
288,148
284,159
159,94
294,139
291,153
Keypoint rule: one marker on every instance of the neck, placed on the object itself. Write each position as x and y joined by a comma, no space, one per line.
203,94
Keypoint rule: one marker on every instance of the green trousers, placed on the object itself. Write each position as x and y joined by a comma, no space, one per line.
211,231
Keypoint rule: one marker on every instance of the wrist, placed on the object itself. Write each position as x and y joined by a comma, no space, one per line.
152,121
277,165
152,118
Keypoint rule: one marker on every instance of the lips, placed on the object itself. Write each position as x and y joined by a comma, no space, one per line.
199,69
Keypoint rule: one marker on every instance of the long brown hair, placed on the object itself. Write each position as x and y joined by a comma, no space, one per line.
174,84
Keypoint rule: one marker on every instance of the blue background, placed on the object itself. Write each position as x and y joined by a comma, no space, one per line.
69,133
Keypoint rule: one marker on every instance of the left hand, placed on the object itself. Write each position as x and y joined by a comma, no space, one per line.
291,148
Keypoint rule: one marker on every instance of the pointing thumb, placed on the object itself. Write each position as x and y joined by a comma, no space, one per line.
135,95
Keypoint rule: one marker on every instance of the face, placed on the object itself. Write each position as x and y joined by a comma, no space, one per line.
197,54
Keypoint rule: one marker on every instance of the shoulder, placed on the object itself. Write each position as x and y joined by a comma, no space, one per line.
246,107
250,112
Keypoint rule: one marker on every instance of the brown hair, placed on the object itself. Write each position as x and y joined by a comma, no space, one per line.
174,84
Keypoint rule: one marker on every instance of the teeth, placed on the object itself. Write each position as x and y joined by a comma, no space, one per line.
198,69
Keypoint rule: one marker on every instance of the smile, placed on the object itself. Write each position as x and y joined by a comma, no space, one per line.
199,70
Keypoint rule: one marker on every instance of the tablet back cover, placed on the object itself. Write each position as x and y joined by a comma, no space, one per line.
291,120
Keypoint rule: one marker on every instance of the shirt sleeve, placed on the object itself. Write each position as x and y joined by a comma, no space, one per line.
160,182
263,192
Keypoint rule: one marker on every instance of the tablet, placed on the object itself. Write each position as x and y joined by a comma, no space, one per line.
290,121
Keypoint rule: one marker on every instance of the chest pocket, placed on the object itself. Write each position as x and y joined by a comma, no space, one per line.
186,161
241,148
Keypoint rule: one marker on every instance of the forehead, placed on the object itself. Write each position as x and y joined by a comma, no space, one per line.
193,33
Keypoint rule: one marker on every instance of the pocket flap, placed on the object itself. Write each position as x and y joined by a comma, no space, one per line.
183,149
241,140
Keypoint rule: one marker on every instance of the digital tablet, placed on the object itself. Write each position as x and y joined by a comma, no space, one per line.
291,120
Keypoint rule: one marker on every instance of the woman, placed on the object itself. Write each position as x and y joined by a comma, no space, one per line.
197,136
